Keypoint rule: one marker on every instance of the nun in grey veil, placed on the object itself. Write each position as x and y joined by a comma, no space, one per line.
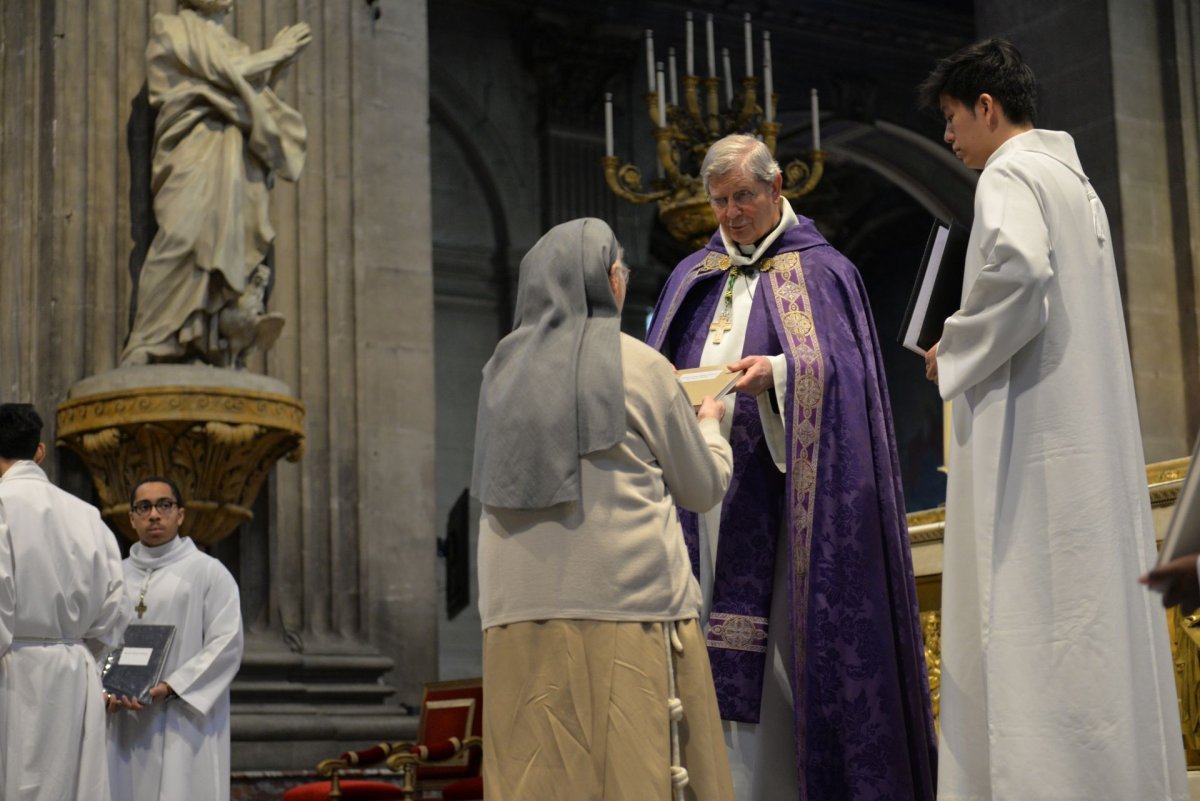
593,656
553,390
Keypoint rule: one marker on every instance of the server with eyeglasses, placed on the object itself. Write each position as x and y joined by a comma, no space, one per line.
177,745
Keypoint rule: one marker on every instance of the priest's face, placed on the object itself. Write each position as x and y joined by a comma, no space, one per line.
155,514
746,208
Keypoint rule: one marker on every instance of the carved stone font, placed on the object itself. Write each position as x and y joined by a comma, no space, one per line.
215,433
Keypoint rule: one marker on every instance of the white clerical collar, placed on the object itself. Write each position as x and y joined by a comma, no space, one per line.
24,468
739,258
151,557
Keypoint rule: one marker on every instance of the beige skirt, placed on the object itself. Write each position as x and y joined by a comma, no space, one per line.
578,710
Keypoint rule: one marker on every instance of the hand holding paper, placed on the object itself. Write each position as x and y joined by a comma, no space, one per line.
758,378
702,382
710,408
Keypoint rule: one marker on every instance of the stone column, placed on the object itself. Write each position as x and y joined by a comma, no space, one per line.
337,570
1121,77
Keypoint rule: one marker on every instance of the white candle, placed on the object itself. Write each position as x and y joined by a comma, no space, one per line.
649,60
608,124
662,98
712,53
816,121
691,56
768,79
728,76
749,49
674,76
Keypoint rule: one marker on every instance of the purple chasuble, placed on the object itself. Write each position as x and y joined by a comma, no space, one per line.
863,721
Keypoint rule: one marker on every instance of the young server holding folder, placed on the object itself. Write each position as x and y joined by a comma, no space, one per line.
177,745
1056,672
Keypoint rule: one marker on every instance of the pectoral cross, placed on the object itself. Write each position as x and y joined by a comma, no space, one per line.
140,608
719,327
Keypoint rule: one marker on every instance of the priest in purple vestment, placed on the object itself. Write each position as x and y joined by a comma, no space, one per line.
811,608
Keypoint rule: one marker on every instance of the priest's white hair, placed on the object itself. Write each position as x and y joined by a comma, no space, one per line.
739,151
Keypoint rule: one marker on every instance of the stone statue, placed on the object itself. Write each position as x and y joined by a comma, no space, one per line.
220,137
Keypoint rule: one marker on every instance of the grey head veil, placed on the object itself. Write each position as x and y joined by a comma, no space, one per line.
553,390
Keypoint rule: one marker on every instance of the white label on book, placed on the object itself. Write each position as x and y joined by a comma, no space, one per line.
705,375
135,656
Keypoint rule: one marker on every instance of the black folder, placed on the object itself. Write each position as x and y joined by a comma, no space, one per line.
137,665
937,293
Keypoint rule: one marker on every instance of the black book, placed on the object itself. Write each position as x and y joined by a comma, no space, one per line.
937,293
137,665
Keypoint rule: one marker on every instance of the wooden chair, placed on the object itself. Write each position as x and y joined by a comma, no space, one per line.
447,755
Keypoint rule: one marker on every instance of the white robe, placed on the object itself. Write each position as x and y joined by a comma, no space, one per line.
61,609
1057,680
179,748
762,756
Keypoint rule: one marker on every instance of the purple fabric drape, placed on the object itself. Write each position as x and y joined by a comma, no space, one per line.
863,722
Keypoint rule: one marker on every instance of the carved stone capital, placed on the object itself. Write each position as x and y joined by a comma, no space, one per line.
218,443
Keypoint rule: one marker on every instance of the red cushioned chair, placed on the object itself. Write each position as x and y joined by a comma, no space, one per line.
446,756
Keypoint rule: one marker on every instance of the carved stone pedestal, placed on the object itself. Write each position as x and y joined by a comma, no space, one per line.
217,433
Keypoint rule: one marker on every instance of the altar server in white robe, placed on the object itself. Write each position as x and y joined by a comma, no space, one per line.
1057,680
176,746
61,610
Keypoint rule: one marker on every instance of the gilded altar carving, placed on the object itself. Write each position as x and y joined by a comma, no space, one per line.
217,443
931,630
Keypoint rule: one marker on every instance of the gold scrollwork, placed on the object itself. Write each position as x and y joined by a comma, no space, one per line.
217,444
931,628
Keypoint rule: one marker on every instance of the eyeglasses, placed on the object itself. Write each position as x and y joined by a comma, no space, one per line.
741,199
163,505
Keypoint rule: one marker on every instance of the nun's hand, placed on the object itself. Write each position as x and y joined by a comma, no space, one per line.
710,409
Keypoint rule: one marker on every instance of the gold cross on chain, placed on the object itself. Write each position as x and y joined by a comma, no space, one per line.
719,327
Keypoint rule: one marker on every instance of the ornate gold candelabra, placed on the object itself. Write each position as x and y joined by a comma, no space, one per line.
683,134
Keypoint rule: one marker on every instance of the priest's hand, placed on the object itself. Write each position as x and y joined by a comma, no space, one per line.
1178,581
931,363
758,378
710,409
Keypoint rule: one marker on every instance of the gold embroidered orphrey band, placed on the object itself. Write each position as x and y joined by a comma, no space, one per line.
790,291
737,632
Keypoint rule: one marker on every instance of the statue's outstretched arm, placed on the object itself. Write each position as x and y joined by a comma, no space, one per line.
269,62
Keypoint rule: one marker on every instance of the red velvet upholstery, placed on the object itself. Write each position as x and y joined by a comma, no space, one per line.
451,709
352,790
464,790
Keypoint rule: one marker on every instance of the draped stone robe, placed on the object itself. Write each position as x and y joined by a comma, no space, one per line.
861,714
218,139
